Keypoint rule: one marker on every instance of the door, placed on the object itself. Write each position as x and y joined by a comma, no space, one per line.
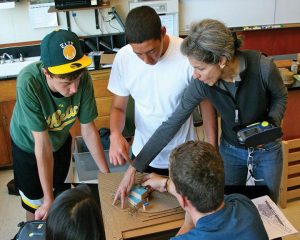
6,109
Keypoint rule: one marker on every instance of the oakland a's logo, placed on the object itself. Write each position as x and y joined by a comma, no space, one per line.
69,52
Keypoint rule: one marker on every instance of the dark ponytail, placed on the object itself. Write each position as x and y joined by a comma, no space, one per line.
236,41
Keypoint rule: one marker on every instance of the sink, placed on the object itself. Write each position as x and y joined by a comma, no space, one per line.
8,69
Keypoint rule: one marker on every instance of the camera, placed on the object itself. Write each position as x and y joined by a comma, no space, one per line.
258,134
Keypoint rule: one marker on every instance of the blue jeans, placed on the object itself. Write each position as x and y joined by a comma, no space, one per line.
267,165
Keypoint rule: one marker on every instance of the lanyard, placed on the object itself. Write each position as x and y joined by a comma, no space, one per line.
236,110
251,165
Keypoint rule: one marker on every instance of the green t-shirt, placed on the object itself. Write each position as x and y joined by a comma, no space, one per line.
37,109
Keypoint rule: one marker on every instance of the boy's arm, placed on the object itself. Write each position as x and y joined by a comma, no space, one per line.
45,164
119,147
91,138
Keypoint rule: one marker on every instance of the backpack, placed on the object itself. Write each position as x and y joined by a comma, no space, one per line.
104,137
12,188
31,230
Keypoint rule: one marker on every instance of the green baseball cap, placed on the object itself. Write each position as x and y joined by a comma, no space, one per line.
61,52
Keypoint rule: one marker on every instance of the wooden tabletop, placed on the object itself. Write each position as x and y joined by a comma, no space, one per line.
127,223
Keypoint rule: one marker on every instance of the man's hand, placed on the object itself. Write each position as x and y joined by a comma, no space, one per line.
119,149
156,182
125,186
42,212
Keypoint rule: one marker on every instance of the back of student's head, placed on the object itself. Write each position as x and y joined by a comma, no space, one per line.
196,168
142,24
74,215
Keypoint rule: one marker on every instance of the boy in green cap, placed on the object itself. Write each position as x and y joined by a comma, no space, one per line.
51,94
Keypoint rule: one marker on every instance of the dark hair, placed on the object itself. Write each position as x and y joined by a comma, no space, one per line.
196,168
70,76
209,40
142,24
74,215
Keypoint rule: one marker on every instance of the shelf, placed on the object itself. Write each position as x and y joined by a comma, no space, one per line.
52,9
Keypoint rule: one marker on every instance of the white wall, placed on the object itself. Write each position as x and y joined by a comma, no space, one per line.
239,13
232,12
15,25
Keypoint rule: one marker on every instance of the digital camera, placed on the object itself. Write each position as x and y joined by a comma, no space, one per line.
258,134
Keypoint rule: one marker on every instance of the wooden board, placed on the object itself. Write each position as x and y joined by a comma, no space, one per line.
124,223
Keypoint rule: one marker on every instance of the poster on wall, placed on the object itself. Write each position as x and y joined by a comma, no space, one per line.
39,16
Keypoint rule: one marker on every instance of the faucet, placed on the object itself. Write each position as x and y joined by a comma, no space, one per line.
2,58
21,59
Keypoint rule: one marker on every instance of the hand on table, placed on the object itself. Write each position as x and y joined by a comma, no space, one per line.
125,186
155,181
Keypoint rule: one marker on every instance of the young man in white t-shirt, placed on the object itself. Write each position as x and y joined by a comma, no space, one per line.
153,71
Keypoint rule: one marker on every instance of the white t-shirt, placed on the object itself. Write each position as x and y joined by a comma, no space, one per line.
156,90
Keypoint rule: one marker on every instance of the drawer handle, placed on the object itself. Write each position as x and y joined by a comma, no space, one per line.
4,120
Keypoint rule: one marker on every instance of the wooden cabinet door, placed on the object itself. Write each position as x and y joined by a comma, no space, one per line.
290,123
103,101
103,97
6,109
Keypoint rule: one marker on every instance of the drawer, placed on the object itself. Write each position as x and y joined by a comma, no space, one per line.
103,106
7,90
102,122
100,81
100,88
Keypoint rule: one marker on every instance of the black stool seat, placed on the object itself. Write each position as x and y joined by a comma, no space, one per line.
249,191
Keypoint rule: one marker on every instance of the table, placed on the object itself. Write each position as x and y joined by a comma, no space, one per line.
125,223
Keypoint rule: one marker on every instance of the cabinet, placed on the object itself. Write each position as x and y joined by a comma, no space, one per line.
103,97
7,103
103,101
290,123
6,109
290,126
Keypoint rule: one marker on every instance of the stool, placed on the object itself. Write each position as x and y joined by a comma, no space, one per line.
249,191
290,181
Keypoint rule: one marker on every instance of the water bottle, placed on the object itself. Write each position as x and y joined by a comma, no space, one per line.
294,67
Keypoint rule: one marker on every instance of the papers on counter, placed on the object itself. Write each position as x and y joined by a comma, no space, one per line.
276,224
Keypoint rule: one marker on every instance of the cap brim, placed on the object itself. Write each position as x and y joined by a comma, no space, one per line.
71,67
